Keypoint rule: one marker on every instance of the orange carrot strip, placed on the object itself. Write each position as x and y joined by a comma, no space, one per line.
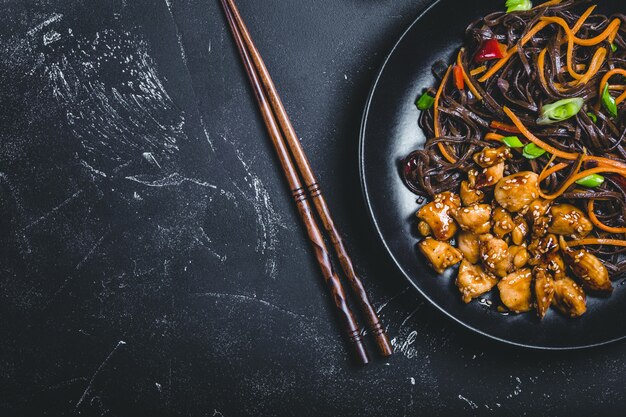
597,241
548,4
534,139
494,136
578,176
583,18
596,63
478,70
504,127
440,145
594,219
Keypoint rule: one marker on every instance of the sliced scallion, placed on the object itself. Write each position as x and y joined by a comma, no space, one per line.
425,102
560,110
532,151
591,181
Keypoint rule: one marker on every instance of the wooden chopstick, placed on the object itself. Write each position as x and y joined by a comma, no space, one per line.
304,207
310,180
254,63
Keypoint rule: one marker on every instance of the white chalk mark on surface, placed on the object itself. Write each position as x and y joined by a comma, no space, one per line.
172,180
471,403
91,251
148,156
411,314
92,169
386,303
100,368
52,19
247,298
54,210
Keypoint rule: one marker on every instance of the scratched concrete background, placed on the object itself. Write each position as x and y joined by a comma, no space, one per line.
151,262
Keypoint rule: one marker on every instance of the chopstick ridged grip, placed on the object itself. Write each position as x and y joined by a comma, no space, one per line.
306,171
300,197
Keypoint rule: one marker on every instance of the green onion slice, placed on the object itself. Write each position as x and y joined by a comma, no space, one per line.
609,101
560,110
591,181
425,102
532,151
593,117
518,5
513,142
613,47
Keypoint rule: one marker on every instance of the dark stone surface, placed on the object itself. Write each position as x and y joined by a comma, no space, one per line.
153,264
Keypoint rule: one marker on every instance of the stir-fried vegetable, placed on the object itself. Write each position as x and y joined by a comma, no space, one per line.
560,110
425,102
518,5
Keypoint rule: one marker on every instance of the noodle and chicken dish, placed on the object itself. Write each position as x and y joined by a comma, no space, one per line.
524,167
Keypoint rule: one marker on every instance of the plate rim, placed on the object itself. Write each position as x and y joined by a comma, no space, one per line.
374,221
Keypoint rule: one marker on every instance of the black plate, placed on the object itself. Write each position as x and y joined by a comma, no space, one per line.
390,132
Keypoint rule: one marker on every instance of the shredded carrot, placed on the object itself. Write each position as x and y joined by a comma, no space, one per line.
470,85
440,145
596,63
494,136
594,219
583,18
556,168
548,4
504,127
580,175
534,139
606,79
478,70
615,23
597,241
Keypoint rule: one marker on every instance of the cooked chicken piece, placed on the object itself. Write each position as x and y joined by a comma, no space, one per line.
539,216
518,235
494,254
424,228
474,219
469,195
492,156
467,243
437,215
539,248
538,208
543,286
569,298
473,281
515,290
517,191
570,221
490,176
440,255
554,263
518,257
502,222
588,268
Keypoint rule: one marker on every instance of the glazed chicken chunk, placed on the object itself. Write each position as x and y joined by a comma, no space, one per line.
520,230
494,254
589,269
502,222
436,215
473,281
569,298
440,255
515,290
469,195
517,191
467,243
543,286
475,219
492,156
568,220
